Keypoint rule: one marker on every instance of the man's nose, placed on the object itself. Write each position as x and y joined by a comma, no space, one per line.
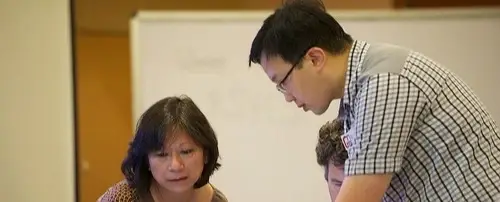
288,97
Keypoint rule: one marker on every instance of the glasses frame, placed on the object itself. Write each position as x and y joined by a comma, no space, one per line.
280,86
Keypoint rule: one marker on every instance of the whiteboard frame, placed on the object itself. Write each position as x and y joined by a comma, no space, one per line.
364,15
242,16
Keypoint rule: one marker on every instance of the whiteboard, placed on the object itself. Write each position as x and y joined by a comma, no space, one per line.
267,146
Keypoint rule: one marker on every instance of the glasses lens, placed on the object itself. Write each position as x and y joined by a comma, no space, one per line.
280,88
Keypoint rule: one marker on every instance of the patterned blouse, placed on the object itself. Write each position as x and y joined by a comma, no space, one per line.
122,192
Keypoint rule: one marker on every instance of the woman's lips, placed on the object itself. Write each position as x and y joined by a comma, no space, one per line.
177,179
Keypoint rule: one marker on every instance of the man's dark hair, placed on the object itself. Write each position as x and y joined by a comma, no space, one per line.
157,124
295,28
329,146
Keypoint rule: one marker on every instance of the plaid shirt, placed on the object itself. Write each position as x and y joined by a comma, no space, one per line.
405,114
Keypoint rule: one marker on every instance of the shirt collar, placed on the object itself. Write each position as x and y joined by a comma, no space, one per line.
354,63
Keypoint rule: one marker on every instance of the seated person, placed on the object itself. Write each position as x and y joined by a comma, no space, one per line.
171,158
331,154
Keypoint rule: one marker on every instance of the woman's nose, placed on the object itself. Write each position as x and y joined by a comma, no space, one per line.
176,163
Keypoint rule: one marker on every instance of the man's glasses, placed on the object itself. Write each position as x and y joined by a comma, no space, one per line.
280,86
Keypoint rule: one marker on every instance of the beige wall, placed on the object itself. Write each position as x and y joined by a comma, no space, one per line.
36,110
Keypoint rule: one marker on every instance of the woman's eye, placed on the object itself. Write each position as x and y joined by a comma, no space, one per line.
188,151
162,154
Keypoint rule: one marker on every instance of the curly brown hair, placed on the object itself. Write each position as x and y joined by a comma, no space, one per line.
329,146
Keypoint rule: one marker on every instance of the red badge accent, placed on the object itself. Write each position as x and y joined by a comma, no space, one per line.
346,142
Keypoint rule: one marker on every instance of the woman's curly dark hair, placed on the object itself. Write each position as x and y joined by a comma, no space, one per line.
155,126
329,146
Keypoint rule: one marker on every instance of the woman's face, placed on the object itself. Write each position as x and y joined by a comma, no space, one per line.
179,165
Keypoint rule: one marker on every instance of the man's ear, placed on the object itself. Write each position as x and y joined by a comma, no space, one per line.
317,57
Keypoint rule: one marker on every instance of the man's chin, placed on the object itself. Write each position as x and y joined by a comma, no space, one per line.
320,111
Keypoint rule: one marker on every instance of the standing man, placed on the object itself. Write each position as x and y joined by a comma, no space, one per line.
414,131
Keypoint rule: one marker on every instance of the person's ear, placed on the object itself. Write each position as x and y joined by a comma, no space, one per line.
317,57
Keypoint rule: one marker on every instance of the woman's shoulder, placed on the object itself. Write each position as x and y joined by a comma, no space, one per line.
218,195
119,192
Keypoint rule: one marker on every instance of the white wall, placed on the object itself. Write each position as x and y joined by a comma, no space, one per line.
36,104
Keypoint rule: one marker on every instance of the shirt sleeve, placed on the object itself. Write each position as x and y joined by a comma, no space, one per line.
385,112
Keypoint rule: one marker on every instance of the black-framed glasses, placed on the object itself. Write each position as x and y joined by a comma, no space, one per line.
280,87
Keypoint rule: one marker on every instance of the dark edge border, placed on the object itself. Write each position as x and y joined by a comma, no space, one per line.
400,4
134,14
73,27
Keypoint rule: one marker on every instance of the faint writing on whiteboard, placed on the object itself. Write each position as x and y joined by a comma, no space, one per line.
203,65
